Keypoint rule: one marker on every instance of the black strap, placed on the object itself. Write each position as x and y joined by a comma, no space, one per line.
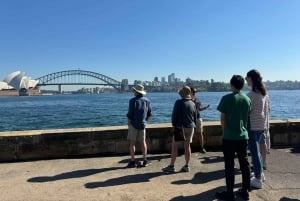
180,113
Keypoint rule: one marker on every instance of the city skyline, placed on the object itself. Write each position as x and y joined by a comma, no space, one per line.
74,80
140,39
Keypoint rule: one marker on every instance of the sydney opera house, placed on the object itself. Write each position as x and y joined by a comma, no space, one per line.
17,83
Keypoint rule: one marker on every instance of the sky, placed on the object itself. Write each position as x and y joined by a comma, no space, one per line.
143,39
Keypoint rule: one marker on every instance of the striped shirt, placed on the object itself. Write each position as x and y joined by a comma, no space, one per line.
259,114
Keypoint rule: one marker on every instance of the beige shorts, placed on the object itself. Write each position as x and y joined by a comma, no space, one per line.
189,133
136,134
199,126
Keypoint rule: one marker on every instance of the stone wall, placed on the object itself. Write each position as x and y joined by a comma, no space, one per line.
60,143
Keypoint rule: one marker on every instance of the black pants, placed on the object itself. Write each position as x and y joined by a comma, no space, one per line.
230,147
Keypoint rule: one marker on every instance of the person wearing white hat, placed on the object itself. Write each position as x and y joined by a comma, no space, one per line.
139,112
184,116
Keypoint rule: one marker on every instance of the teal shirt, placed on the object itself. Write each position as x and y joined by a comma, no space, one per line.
236,107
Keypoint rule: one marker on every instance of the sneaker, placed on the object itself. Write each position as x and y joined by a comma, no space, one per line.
225,195
263,177
256,183
243,194
146,163
185,168
202,150
169,169
132,164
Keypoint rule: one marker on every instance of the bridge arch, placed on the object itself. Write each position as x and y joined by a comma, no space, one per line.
65,78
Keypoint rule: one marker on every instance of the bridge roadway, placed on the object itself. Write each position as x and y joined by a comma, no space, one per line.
107,179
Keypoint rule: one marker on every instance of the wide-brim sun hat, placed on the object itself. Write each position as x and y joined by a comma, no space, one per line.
185,92
139,89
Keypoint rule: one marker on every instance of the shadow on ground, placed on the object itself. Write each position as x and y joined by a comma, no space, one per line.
202,177
151,158
211,159
128,179
73,174
295,150
288,199
204,196
207,195
205,177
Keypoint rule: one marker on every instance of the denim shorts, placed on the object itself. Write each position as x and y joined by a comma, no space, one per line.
262,138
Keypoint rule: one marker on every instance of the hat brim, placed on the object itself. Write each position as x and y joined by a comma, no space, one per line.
185,96
138,91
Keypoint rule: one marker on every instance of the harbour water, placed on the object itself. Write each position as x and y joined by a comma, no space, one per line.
109,109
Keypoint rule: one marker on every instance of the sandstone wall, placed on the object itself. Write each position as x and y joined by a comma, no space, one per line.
60,143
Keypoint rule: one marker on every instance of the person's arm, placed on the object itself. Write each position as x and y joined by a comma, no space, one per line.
203,108
223,116
267,113
149,112
130,113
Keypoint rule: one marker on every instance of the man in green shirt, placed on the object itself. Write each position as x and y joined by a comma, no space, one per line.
235,108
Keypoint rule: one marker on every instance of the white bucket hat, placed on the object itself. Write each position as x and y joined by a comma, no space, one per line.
139,89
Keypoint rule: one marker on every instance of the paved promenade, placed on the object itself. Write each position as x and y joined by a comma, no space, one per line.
107,179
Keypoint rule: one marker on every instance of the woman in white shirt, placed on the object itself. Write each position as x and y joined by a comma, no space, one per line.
259,117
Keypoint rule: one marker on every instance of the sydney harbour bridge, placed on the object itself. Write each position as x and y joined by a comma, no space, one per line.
80,77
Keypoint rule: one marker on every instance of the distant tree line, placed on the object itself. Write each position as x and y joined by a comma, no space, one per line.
222,86
283,85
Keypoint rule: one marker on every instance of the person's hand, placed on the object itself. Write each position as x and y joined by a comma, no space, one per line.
208,106
197,103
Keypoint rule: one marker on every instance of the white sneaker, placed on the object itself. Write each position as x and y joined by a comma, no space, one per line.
263,177
256,183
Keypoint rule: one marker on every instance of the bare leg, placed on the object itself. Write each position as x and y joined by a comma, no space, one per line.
268,142
174,152
263,150
201,140
144,149
187,152
132,149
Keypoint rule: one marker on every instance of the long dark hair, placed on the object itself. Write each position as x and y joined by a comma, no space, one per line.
257,84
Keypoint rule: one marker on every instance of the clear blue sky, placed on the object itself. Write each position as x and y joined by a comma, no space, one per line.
141,39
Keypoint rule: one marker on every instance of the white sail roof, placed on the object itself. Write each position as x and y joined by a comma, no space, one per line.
3,85
32,83
18,81
12,76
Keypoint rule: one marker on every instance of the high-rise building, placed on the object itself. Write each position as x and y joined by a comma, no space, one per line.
163,81
171,79
124,85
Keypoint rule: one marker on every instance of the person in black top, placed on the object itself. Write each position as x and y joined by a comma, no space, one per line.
184,116
199,125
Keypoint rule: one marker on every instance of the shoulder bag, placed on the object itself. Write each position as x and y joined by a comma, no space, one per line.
179,134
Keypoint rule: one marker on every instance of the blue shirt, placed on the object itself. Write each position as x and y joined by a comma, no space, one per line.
139,111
